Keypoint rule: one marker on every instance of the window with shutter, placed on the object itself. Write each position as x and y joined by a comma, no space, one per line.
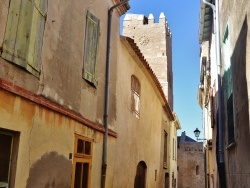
90,50
135,96
24,34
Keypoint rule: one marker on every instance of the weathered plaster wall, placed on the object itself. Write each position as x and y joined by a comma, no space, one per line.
46,133
139,139
235,14
46,140
166,124
62,58
173,155
189,156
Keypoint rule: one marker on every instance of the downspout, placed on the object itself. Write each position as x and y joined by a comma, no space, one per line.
215,9
106,100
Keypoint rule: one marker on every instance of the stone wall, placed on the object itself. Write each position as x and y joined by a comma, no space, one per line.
191,165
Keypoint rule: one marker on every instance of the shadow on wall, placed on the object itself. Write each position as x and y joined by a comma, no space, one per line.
240,126
240,90
51,171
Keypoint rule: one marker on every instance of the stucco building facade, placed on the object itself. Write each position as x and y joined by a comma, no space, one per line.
144,145
61,124
225,99
52,82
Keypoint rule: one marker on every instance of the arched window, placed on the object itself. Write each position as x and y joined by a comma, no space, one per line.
197,170
135,96
140,178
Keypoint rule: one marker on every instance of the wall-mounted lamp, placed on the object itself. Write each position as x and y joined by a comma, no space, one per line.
197,134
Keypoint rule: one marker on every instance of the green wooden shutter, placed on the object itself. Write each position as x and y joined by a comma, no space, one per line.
228,81
36,36
24,32
90,51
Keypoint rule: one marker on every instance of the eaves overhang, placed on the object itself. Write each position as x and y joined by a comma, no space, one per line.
206,21
200,95
121,9
177,122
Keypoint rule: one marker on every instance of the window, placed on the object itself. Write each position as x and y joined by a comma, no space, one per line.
228,80
173,180
197,170
24,34
166,180
90,50
173,150
135,96
9,141
82,162
165,157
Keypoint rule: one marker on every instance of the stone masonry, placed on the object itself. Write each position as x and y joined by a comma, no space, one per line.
190,157
155,42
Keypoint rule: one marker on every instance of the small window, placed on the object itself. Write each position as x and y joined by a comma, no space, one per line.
197,170
135,96
82,162
165,157
173,150
90,50
83,147
230,120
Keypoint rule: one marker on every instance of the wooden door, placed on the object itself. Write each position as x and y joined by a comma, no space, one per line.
140,178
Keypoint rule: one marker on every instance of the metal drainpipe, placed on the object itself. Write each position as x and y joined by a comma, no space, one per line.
215,9
106,102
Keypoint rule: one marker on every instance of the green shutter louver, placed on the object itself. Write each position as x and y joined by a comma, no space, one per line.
90,50
24,34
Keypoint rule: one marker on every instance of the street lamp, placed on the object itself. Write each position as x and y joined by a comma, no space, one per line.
197,134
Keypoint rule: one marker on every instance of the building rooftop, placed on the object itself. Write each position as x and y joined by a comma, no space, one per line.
184,138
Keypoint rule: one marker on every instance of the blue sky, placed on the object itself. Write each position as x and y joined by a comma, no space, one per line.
183,20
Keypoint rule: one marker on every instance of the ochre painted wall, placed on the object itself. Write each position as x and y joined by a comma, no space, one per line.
139,139
46,141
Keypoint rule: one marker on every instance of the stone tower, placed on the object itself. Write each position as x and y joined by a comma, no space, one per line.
190,157
155,42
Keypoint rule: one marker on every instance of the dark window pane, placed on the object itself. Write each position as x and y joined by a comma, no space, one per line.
85,175
5,150
165,148
230,119
78,172
87,149
197,170
80,145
